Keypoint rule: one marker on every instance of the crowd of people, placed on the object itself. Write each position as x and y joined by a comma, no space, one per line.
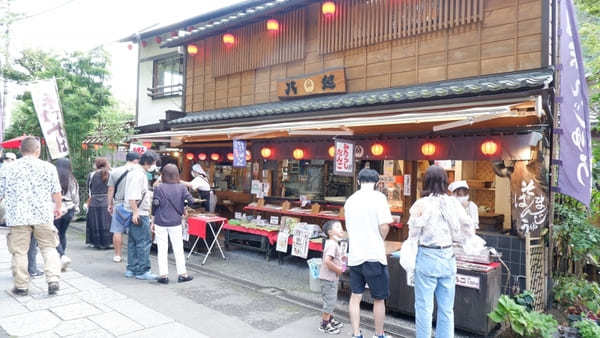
41,199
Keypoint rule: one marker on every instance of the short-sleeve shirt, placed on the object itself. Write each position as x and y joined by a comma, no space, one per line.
365,211
26,186
200,183
136,189
332,249
115,174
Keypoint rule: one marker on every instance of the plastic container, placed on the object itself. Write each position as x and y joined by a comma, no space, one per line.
314,266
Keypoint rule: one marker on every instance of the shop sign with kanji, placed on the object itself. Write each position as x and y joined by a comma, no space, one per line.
239,153
329,82
44,94
344,158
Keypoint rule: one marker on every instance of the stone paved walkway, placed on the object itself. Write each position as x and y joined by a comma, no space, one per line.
82,308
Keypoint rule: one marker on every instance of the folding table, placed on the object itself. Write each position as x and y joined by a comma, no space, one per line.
197,227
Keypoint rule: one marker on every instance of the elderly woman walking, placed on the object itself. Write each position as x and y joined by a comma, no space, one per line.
98,219
436,221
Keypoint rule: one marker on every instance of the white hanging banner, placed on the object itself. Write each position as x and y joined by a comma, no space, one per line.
44,94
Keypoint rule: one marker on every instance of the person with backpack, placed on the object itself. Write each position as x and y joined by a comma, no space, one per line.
116,197
168,207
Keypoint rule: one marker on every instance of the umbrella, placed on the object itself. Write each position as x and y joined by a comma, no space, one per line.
14,143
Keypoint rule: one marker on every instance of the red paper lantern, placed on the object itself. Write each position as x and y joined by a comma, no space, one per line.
189,156
190,28
192,49
298,154
266,152
328,8
130,46
174,34
272,25
84,146
230,156
490,148
228,39
144,44
331,151
96,147
202,156
377,149
428,149
148,145
215,156
248,155
158,39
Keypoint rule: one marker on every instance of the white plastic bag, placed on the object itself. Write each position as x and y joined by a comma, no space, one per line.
473,245
408,255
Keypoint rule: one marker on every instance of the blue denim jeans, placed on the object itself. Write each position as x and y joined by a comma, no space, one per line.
435,275
139,243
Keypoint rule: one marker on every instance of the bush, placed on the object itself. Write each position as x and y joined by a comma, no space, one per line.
524,323
588,328
579,294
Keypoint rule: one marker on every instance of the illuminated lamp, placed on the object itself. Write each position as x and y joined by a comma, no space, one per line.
266,152
202,156
189,156
215,156
84,146
489,148
428,149
298,154
331,151
328,8
148,145
377,149
192,49
272,25
228,39
96,147
248,155
230,156
176,154
158,39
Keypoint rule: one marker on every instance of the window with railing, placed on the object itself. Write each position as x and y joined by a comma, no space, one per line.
167,79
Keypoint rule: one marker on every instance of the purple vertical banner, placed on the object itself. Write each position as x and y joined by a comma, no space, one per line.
575,169
239,153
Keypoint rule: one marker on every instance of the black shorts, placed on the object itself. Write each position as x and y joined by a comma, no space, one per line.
375,275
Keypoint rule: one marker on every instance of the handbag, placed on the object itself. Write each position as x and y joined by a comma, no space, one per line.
124,216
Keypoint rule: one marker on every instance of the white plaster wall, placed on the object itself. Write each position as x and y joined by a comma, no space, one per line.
150,111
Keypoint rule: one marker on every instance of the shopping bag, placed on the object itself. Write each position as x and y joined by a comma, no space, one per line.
408,255
314,265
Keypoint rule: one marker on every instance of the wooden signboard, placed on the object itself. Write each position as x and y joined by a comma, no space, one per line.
330,82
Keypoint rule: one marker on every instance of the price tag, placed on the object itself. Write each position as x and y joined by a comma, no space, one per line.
274,220
238,215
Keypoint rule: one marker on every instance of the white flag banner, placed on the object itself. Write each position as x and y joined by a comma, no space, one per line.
44,94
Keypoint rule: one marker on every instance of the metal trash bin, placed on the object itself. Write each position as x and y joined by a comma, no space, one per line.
314,266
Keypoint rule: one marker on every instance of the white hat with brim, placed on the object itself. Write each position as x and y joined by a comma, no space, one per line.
198,168
457,185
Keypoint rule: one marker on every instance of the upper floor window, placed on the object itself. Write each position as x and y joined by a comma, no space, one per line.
167,78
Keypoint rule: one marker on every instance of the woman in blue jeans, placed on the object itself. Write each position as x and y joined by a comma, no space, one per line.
436,221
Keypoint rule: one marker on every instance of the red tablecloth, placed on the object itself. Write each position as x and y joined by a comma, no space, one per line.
197,224
314,246
271,235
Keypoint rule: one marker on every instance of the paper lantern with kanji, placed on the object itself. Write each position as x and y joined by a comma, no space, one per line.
428,149
272,25
490,148
298,154
230,156
189,156
377,149
266,152
215,156
331,151
228,39
202,156
328,8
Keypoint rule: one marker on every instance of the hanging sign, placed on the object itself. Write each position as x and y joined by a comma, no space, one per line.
406,185
138,148
300,243
239,153
344,158
44,94
575,166
333,81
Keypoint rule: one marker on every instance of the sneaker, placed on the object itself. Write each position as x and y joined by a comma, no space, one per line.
336,324
382,336
20,292
64,261
359,336
36,274
163,280
329,329
146,276
184,278
117,259
129,274
53,288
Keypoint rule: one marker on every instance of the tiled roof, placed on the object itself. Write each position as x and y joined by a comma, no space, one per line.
454,88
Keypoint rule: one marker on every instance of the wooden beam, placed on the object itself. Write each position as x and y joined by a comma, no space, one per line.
472,120
322,132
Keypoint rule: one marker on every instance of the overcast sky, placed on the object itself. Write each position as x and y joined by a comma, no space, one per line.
69,25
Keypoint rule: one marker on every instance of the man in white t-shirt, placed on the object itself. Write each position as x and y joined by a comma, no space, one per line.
368,217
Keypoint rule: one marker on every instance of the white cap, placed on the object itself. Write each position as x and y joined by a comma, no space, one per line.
198,168
457,185
10,156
